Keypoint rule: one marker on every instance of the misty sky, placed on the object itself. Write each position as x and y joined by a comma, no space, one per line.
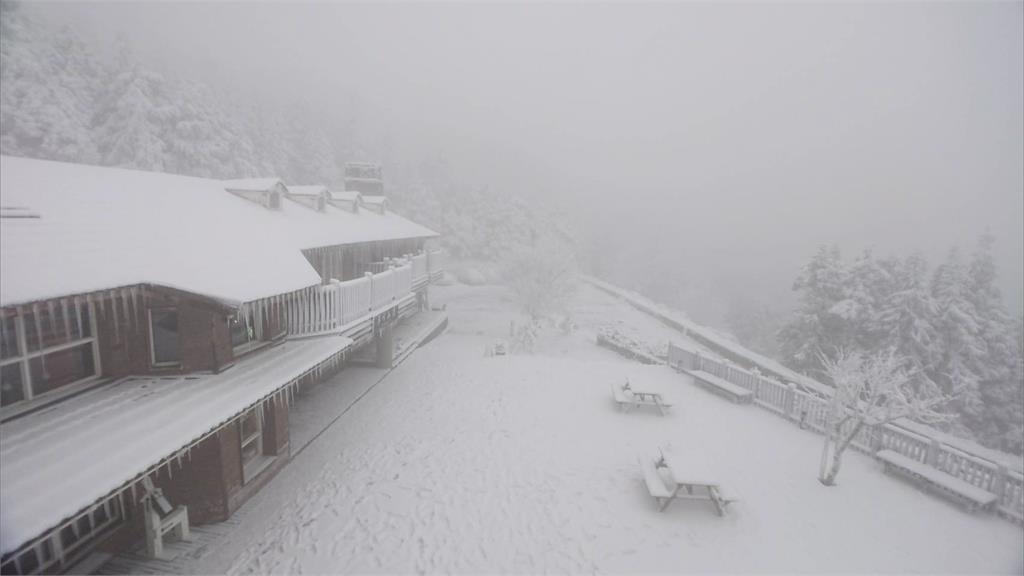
729,138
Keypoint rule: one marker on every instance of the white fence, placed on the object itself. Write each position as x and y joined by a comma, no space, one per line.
419,268
921,444
435,263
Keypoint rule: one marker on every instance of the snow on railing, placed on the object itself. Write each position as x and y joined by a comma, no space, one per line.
356,299
436,260
419,268
924,445
383,288
403,279
329,308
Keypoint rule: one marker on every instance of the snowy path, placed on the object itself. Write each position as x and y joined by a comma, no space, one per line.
461,463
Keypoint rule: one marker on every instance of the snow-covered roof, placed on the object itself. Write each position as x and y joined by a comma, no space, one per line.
253,184
348,196
104,227
88,446
308,190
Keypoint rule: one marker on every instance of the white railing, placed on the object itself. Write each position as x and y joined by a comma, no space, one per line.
922,444
336,306
403,279
435,263
419,268
356,298
383,288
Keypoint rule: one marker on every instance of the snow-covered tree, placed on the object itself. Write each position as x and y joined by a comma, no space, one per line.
543,278
998,386
48,87
907,316
963,351
136,110
821,321
873,390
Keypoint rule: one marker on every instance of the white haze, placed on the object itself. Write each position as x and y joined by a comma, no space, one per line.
727,139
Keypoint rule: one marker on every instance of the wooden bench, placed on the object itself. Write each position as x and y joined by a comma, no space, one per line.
627,398
972,497
161,518
722,387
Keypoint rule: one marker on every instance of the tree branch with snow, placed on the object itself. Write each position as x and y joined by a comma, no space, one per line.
873,390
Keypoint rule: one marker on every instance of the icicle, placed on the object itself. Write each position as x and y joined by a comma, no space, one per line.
133,493
170,470
100,300
117,322
133,292
53,316
39,325
66,318
125,306
78,317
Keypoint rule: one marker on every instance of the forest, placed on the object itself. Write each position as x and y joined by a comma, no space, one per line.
59,100
948,323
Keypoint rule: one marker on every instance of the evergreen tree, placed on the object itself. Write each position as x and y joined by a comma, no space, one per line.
47,91
998,387
820,324
962,349
135,112
907,317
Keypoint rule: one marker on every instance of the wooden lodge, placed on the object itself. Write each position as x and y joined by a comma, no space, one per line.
153,332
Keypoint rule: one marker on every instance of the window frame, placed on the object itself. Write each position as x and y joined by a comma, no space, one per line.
259,462
25,355
152,341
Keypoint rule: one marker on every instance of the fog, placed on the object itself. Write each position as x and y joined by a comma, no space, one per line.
726,139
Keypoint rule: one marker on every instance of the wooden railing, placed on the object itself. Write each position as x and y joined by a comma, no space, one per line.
921,443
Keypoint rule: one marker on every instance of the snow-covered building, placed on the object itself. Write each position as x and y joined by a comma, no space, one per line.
364,177
155,326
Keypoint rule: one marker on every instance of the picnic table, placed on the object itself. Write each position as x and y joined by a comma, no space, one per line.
628,398
670,478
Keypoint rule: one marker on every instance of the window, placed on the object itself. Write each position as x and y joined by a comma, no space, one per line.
254,460
46,348
75,540
163,330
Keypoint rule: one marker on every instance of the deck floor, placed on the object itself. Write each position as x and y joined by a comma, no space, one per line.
308,419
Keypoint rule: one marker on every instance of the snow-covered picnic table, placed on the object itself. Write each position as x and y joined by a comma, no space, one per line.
671,477
628,397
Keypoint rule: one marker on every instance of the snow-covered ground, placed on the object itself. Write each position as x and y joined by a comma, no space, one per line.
458,462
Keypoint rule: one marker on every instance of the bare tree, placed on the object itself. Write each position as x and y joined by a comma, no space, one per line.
873,390
543,279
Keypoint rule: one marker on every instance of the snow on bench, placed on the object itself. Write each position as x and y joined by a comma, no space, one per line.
655,484
973,497
722,386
